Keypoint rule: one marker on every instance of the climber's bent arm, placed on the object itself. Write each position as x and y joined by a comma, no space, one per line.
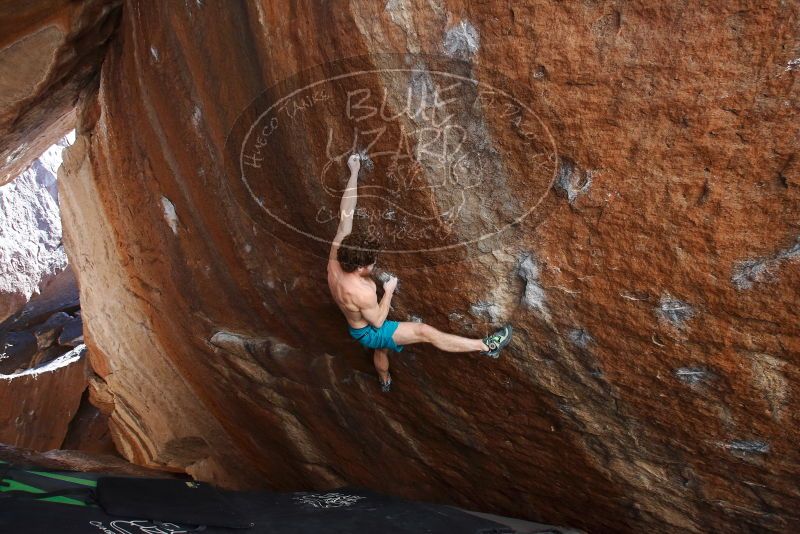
374,313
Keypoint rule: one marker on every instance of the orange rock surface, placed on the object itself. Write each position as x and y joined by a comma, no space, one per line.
629,202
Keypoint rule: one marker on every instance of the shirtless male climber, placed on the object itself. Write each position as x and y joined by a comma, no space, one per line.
349,269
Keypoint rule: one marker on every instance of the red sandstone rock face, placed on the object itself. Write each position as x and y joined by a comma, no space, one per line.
43,374
38,404
50,51
650,385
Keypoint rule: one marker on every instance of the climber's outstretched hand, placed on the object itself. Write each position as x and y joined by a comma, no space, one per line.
354,162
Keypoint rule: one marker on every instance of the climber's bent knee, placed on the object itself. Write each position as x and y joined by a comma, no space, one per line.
409,332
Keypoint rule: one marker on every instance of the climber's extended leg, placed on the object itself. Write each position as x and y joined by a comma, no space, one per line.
381,361
410,332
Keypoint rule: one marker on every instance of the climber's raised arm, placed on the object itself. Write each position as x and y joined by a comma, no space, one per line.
347,206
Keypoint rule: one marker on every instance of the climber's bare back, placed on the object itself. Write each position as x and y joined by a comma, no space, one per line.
350,292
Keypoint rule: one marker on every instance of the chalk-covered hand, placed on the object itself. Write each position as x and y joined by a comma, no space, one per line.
354,162
390,284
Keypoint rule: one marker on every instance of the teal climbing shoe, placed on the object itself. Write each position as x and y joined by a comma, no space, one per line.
497,341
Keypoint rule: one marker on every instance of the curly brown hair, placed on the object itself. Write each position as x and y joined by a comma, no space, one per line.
358,249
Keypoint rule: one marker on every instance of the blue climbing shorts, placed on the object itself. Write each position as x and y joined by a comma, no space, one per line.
376,338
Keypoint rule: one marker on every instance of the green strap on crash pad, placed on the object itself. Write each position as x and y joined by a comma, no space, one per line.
65,478
13,485
9,484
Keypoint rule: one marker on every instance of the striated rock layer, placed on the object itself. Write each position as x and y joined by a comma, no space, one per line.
70,460
627,198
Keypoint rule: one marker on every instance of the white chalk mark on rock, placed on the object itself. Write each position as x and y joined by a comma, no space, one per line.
755,270
768,377
455,317
634,297
462,41
488,310
169,214
747,446
534,296
196,115
748,272
400,14
692,375
580,337
572,180
674,311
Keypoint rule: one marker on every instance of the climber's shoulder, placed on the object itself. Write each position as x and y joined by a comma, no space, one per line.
334,253
335,271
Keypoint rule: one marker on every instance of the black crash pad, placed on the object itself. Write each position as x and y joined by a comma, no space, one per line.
345,510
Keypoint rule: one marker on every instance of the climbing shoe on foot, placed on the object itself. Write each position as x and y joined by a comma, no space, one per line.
386,387
497,341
